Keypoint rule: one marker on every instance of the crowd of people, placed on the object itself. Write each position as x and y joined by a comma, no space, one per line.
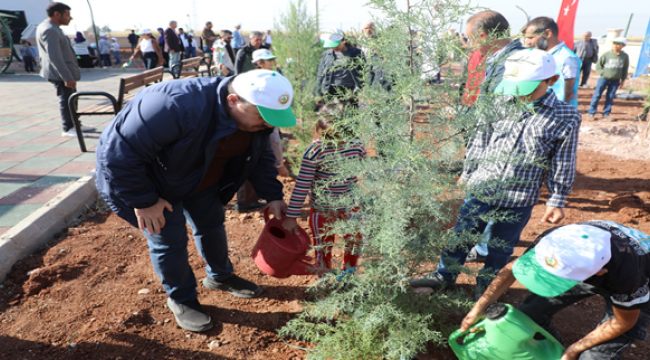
195,143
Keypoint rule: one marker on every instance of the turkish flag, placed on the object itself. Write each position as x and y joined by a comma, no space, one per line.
565,21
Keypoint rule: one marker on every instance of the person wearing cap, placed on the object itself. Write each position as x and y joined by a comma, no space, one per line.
104,48
570,263
612,67
237,39
340,68
177,153
244,58
115,47
532,137
190,45
149,50
542,33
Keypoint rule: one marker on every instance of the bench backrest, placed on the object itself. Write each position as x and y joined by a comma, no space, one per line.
136,81
5,52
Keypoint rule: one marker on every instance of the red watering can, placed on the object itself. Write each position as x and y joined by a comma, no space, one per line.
281,254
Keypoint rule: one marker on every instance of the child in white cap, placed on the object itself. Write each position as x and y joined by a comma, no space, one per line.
612,67
115,47
510,154
570,263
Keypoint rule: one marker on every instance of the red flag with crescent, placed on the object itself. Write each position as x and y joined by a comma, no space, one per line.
565,21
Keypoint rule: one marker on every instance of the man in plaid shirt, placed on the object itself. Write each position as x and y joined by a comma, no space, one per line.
512,151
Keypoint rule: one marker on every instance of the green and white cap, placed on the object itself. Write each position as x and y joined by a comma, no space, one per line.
262,54
332,38
524,71
563,258
271,92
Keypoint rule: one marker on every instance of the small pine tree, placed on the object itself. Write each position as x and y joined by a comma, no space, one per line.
298,52
408,199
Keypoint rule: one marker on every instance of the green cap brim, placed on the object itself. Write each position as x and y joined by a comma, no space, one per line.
331,44
536,279
279,118
516,88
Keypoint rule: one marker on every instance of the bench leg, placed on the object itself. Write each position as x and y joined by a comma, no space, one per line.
75,119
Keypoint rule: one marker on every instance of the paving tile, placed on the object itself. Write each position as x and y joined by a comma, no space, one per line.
7,187
4,229
87,156
48,140
73,143
31,147
43,162
58,151
44,128
4,119
42,120
21,135
31,195
7,165
75,167
17,125
15,157
52,180
23,174
7,132
10,215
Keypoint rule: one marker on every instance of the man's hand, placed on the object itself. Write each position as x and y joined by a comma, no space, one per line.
282,171
570,354
278,209
224,70
553,215
71,84
622,85
470,319
153,218
291,225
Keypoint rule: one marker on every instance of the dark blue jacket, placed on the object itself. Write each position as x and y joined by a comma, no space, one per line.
162,142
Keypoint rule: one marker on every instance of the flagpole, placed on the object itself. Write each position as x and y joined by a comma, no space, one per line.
628,25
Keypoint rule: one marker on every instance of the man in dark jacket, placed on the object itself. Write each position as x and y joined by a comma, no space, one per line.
173,44
340,67
244,61
133,40
176,153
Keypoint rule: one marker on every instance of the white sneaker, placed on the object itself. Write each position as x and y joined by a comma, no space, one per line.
72,133
86,128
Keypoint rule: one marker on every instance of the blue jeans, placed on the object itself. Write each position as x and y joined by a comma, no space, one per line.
207,51
611,86
117,57
204,213
541,310
502,237
174,58
190,53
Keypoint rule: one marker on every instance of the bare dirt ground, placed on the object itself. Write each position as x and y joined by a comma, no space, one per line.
92,292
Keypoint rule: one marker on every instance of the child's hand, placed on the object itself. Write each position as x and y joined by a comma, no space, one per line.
282,171
291,225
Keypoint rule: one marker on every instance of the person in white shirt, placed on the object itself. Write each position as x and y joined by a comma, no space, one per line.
190,45
268,41
224,55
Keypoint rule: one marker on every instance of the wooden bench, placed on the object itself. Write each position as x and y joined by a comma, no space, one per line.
187,68
113,106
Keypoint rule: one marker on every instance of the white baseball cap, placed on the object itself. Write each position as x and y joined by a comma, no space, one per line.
563,258
524,70
114,38
102,34
620,40
145,32
262,54
332,38
271,92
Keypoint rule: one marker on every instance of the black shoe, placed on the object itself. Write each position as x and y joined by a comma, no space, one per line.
474,256
433,280
235,285
190,315
251,206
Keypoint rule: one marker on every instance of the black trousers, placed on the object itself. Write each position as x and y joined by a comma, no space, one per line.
150,60
542,309
64,92
29,63
586,70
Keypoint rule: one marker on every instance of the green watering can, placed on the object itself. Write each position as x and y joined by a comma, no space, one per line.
509,335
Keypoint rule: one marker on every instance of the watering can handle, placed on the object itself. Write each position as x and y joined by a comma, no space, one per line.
266,215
